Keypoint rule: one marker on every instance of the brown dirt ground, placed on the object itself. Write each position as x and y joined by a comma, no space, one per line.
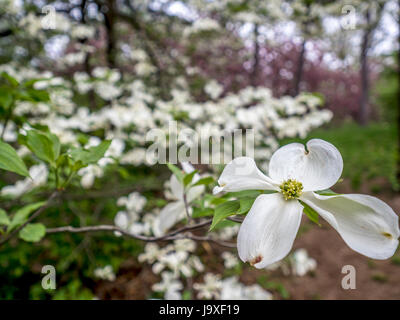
374,279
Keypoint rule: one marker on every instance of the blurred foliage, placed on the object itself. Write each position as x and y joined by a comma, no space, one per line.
386,90
74,256
277,287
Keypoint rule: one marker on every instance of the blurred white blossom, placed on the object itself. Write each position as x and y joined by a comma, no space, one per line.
210,287
105,273
301,263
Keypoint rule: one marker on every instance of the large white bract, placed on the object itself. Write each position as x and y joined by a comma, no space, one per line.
367,224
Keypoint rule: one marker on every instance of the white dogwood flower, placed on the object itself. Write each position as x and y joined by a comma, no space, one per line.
367,224
230,260
105,273
170,285
302,263
210,288
176,211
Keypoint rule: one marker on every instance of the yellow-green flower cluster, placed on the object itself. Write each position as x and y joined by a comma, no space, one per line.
291,189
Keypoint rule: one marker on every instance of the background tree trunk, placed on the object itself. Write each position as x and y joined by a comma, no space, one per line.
300,67
363,112
109,19
256,59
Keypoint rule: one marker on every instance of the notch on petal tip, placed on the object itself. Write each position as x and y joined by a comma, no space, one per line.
256,260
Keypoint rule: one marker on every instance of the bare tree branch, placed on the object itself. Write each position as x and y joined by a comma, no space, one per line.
126,233
181,233
189,217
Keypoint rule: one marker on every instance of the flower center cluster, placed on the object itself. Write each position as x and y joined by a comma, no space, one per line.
291,189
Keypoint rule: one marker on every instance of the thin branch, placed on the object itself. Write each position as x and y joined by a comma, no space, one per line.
181,233
126,233
71,229
210,239
191,227
185,202
236,219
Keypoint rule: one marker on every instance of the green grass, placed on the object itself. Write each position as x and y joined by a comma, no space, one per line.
380,277
368,152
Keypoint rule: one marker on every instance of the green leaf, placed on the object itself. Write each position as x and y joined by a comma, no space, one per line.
199,213
91,155
310,213
204,181
30,83
33,232
38,95
327,192
278,287
187,179
225,224
243,194
176,171
187,295
214,200
238,7
62,160
4,220
223,211
56,144
6,97
42,146
10,161
22,214
217,201
10,79
33,95
245,205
